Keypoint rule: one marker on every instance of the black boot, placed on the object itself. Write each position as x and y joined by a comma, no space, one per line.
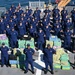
45,71
74,65
33,72
6,65
52,72
2,65
25,71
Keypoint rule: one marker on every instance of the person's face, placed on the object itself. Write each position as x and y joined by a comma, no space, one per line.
74,9
21,18
5,17
6,12
45,19
46,26
3,45
37,8
17,10
40,31
47,8
31,27
1,20
28,47
68,20
63,8
33,19
56,15
56,21
7,26
14,16
48,47
56,8
68,30
66,16
10,20
20,24
24,15
10,9
12,29
12,5
64,11
28,7
27,11
57,26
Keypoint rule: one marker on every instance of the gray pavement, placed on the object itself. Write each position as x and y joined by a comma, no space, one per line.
13,71
61,72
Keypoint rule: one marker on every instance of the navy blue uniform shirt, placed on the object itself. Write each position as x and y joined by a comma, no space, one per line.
48,54
29,53
4,51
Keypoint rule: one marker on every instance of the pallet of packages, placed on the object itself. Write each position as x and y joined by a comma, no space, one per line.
57,66
3,37
21,43
66,67
14,66
57,43
53,38
64,57
13,63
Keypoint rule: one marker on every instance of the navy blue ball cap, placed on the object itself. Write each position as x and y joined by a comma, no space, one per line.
48,45
68,19
28,44
3,43
36,7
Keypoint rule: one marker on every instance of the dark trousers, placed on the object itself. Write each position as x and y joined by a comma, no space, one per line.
4,60
67,42
40,45
13,43
27,62
50,64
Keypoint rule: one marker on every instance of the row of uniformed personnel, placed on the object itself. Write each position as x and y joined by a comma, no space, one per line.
48,57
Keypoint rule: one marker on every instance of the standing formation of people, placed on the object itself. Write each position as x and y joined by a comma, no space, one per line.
16,23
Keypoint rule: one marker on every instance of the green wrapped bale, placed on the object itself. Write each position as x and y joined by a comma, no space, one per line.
21,43
66,67
64,57
57,66
65,63
57,43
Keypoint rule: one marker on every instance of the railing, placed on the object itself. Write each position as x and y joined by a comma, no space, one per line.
39,4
